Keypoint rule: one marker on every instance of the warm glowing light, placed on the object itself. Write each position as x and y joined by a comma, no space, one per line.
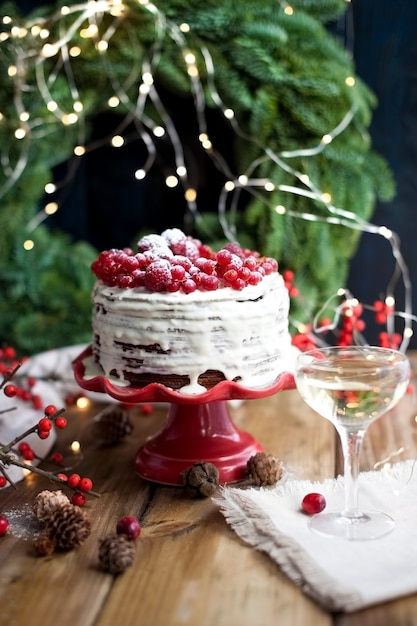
144,89
79,150
20,133
281,210
147,78
229,114
326,139
75,51
113,102
189,58
326,197
243,180
50,188
171,181
181,170
52,106
190,195
75,447
117,141
158,131
69,118
269,186
184,27
7,19
140,174
12,70
390,301
229,185
28,244
24,116
288,10
192,71
78,106
82,403
51,208
102,45
49,50
350,81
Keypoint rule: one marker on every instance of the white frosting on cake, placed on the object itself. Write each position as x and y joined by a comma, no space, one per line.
243,334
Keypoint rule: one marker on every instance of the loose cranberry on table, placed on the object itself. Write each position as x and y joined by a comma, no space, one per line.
128,526
313,503
4,525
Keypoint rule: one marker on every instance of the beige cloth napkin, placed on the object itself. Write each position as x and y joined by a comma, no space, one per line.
341,575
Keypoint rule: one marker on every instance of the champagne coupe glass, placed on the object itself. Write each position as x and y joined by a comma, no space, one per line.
352,387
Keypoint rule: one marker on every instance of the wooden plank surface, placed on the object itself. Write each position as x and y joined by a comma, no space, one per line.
190,567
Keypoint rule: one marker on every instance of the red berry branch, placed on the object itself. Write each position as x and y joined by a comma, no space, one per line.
19,453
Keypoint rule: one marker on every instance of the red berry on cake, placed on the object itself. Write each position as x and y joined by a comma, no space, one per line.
158,275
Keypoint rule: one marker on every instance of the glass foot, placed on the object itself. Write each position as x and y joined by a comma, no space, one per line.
362,528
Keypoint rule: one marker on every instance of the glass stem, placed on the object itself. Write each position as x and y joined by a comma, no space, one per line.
351,447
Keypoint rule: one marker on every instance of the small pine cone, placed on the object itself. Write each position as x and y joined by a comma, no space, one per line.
68,526
265,469
44,545
112,425
46,502
201,479
116,553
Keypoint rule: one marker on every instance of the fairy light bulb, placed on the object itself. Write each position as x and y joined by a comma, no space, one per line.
144,89
171,181
288,10
82,403
184,27
390,301
190,194
140,174
102,45
49,50
75,447
51,208
20,133
147,78
52,106
24,116
280,209
69,118
326,197
78,106
350,81
113,102
159,131
74,51
117,141
50,188
12,70
79,150
326,139
181,170
243,180
229,185
29,244
269,186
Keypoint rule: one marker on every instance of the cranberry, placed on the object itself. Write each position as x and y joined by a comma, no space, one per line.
313,503
4,525
129,526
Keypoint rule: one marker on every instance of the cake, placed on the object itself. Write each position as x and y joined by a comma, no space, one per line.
176,312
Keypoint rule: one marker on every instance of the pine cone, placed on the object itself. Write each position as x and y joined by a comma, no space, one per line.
68,526
112,425
202,479
44,545
265,469
46,502
116,553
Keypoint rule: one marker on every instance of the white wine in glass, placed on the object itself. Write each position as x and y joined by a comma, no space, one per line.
351,387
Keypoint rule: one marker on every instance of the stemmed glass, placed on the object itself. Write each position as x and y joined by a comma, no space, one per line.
352,387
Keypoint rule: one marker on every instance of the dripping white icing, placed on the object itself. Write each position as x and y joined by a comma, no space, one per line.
243,333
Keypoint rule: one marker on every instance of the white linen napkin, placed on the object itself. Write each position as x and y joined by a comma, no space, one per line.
341,575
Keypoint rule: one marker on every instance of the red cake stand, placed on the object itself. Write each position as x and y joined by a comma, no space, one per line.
198,427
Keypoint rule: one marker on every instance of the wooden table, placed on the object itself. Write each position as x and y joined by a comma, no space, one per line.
190,568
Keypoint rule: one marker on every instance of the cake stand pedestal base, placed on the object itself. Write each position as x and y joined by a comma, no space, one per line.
194,433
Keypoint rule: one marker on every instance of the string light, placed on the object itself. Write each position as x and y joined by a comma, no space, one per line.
85,20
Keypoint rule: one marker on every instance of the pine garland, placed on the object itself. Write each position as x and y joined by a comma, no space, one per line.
284,77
